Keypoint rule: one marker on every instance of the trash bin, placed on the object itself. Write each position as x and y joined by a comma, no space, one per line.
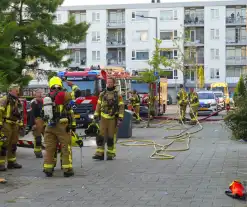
125,129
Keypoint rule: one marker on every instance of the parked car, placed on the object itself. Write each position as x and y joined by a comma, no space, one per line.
208,103
220,99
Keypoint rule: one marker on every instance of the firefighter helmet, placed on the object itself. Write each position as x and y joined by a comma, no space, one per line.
55,82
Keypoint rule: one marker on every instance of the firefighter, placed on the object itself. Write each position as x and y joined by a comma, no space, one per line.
11,121
135,102
110,110
57,113
182,98
38,127
194,104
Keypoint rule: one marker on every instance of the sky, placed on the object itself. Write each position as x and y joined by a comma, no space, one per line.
95,2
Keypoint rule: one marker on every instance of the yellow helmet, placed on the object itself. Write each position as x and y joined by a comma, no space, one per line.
55,81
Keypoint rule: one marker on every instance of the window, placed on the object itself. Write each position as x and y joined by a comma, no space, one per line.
215,54
140,36
95,36
136,16
214,13
168,35
169,54
58,18
175,74
79,17
214,34
75,56
96,16
95,55
205,95
167,15
140,55
214,73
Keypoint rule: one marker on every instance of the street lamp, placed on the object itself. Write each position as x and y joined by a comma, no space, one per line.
156,45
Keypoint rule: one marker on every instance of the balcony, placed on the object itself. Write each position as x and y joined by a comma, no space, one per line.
77,46
236,60
116,62
194,61
75,64
233,80
234,21
115,44
236,42
191,21
115,24
196,43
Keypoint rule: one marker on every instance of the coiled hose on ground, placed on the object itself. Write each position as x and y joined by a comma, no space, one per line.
161,150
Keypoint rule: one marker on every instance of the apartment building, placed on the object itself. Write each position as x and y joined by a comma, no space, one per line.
120,36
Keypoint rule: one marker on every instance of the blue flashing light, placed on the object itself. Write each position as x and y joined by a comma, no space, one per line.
94,72
60,74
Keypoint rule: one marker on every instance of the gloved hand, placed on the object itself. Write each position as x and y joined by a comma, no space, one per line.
119,122
79,142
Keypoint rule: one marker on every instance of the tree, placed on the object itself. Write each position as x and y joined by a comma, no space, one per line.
187,57
240,91
152,75
34,33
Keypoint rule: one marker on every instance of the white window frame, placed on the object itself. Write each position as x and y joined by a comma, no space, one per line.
214,71
141,19
175,57
97,55
217,54
97,17
97,35
74,57
175,71
174,14
134,54
175,36
139,40
215,14
214,34
58,18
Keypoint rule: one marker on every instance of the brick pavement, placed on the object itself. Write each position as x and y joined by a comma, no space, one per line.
195,178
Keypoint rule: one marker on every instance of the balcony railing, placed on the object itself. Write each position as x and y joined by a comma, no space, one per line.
115,23
82,62
235,20
79,45
193,21
194,60
232,79
115,61
195,43
236,60
232,41
115,43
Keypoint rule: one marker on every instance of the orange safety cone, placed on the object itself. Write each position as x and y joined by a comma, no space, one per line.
2,180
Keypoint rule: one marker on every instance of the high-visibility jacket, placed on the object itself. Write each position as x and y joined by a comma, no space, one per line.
135,100
194,100
110,105
11,110
182,97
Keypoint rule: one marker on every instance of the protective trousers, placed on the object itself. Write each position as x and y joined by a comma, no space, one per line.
11,131
137,112
108,133
52,135
182,111
38,131
194,112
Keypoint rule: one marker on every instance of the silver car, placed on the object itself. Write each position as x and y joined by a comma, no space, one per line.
208,103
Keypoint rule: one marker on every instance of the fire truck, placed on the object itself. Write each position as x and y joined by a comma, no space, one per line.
91,83
159,91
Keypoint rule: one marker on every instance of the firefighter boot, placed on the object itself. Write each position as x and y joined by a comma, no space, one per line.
98,157
2,168
68,173
14,165
38,154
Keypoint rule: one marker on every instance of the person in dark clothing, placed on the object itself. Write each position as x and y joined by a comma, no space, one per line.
38,127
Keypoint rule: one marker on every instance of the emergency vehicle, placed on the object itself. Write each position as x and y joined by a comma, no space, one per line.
159,90
91,83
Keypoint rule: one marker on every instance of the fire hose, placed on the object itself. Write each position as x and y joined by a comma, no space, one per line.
160,150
